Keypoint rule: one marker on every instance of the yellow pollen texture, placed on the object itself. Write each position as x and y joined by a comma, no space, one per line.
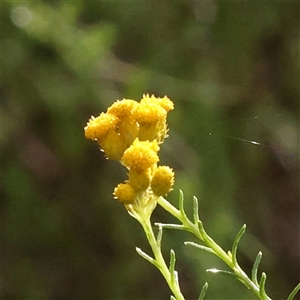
122,108
164,102
139,180
98,127
124,192
148,112
141,155
162,180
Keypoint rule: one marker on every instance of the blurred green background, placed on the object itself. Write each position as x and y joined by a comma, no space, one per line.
232,70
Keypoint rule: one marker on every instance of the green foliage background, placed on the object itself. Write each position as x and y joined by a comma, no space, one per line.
232,70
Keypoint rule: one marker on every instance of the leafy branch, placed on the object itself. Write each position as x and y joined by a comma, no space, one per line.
256,285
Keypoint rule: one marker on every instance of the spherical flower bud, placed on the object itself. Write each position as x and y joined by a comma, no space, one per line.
162,180
164,102
99,126
122,108
139,180
149,113
127,127
141,155
124,192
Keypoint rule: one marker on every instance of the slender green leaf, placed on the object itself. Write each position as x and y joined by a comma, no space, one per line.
203,291
262,284
170,226
172,261
173,272
294,292
201,228
207,249
235,244
195,211
222,272
181,201
146,256
202,232
159,236
255,267
181,205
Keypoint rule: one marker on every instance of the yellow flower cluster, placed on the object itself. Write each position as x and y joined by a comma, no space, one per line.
131,133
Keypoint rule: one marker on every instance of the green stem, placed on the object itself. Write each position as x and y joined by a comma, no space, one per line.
159,260
199,231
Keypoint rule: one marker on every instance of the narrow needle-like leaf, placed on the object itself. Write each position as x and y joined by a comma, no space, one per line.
207,249
170,226
145,256
262,284
235,244
203,291
173,273
294,292
201,228
255,267
222,272
181,201
195,211
159,236
181,206
172,261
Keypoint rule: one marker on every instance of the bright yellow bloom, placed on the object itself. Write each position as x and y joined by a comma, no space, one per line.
112,144
127,127
149,113
124,192
162,180
131,132
152,120
98,127
139,180
123,108
153,132
128,130
141,155
164,102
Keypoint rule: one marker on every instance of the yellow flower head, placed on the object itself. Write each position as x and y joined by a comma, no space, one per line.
149,113
128,130
164,102
112,144
139,180
141,155
98,127
131,132
124,192
162,180
127,127
123,108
